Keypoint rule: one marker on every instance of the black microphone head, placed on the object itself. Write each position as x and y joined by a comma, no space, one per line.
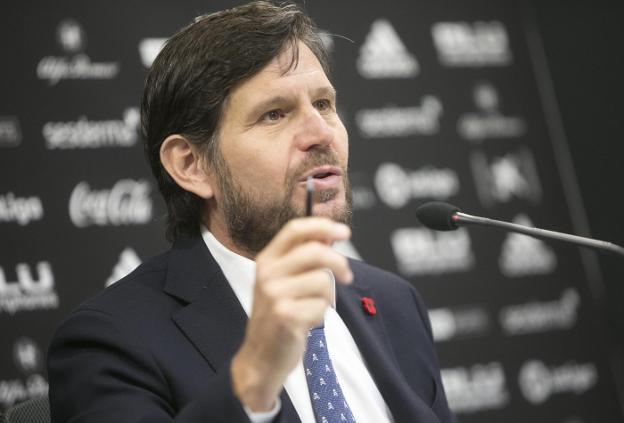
437,215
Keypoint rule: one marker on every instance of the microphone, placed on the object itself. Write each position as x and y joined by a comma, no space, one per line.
447,217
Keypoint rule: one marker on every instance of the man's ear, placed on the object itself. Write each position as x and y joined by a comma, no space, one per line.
186,165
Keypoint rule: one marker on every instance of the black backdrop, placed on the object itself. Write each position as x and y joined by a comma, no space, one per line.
446,100
582,40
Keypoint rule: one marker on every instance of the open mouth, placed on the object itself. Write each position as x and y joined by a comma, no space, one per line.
322,172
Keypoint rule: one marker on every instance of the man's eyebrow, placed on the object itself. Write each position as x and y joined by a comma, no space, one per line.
280,100
325,91
268,104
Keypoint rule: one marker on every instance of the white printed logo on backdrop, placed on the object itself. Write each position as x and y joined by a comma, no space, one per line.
363,197
128,261
464,322
128,202
541,316
501,179
420,251
149,49
29,291
538,382
522,255
28,358
85,133
472,44
75,64
21,210
383,54
488,122
10,131
475,388
401,121
397,186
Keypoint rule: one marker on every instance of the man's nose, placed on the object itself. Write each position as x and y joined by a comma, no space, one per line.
313,130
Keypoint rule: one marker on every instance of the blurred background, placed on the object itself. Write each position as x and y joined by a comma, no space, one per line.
583,44
509,109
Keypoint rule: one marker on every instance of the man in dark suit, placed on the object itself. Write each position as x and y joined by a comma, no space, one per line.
252,315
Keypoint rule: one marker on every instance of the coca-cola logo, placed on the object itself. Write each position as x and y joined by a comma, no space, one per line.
128,202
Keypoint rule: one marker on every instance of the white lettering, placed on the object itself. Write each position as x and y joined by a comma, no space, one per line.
127,203
538,382
449,323
84,133
475,127
471,44
537,317
480,387
401,121
28,293
54,69
396,186
488,122
22,210
420,251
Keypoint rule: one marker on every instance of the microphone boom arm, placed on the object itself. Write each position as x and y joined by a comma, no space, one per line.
467,219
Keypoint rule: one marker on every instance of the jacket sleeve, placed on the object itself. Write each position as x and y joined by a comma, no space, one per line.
99,372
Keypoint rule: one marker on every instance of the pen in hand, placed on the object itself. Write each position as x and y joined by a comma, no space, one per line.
309,195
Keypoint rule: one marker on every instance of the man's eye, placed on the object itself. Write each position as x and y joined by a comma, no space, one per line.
322,104
273,115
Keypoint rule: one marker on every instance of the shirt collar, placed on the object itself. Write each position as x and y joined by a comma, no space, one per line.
239,271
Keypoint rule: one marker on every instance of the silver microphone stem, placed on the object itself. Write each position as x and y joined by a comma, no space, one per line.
466,219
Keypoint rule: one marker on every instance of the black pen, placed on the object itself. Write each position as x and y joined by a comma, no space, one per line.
309,195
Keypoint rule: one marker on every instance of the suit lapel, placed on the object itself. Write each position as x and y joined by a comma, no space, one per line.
372,341
213,320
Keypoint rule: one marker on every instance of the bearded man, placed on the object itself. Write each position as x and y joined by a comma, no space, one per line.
251,316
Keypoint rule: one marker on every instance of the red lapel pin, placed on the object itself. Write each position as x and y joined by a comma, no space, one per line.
368,304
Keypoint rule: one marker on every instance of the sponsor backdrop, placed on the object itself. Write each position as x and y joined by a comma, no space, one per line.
443,100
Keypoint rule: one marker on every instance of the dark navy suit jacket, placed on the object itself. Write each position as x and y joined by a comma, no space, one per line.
156,346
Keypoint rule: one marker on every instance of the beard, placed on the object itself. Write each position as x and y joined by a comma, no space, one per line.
253,220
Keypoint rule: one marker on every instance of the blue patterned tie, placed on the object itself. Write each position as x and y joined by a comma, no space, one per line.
329,405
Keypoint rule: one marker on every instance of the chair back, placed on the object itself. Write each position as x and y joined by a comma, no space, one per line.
34,410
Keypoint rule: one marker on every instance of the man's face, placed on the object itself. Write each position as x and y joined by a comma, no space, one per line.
278,127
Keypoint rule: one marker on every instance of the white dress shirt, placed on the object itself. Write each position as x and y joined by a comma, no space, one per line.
358,387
